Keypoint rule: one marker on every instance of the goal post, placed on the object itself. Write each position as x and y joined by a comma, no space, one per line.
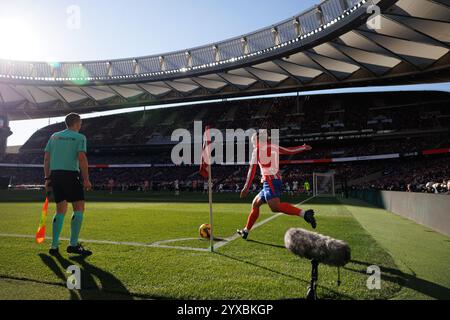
323,185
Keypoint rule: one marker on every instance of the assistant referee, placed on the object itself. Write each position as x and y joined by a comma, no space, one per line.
65,159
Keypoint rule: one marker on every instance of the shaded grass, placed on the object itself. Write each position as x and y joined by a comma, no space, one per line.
423,255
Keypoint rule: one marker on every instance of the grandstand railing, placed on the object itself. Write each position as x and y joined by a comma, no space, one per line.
266,41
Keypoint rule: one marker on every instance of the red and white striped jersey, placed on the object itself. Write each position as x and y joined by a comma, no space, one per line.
267,157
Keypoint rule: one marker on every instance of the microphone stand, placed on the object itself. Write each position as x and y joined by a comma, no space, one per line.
312,288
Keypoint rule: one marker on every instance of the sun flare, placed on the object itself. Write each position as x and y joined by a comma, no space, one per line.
18,39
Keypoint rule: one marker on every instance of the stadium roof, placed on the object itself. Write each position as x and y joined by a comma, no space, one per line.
331,45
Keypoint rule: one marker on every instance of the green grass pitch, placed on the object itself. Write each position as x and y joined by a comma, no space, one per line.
127,265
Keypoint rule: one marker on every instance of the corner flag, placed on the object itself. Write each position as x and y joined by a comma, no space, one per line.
205,172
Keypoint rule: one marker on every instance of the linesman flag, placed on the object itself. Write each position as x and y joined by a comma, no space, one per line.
205,172
40,234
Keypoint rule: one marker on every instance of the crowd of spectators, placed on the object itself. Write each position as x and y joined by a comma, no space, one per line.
144,138
429,175
295,117
421,174
321,150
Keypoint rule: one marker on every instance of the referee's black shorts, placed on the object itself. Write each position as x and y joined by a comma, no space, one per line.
66,186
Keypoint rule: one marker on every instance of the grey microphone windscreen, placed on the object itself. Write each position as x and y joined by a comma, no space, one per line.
314,246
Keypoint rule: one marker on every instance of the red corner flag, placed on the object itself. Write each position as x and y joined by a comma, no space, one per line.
205,172
206,156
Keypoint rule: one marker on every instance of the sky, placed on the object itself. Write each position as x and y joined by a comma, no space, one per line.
83,30
117,29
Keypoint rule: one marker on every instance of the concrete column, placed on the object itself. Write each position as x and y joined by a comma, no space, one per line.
5,132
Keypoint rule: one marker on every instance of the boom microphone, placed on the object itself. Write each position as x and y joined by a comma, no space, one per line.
316,247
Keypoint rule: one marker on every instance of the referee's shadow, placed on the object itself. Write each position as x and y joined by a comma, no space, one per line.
109,288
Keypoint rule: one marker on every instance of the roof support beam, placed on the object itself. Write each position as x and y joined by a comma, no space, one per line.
286,72
360,33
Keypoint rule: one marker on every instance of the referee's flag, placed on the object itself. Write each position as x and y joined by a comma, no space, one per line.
40,234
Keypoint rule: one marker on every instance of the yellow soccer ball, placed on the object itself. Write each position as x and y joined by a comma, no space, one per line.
205,231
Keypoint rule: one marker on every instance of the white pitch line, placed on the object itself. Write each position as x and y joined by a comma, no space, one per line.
259,224
163,244
130,244
180,248
173,240
159,244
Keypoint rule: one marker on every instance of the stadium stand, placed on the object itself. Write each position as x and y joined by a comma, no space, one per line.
308,118
341,128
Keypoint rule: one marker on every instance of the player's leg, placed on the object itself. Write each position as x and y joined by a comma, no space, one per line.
75,227
273,200
76,222
276,205
253,216
57,225
274,190
78,205
59,195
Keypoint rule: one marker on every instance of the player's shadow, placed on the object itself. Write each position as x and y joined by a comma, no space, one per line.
53,266
428,288
110,287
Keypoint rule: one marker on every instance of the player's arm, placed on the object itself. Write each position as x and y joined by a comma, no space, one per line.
47,170
84,169
294,150
251,174
47,165
84,164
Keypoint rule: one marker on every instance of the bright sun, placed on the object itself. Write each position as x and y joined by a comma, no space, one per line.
17,39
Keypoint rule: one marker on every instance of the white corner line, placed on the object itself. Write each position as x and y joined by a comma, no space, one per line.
120,243
163,244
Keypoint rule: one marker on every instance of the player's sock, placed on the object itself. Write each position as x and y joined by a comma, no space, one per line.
77,220
289,209
58,221
254,215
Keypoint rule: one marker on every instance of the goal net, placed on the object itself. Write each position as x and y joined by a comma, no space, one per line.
323,184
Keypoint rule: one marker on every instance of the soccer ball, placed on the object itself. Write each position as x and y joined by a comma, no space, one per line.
205,231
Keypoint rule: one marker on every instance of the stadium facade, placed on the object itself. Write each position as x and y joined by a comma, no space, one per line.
338,43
